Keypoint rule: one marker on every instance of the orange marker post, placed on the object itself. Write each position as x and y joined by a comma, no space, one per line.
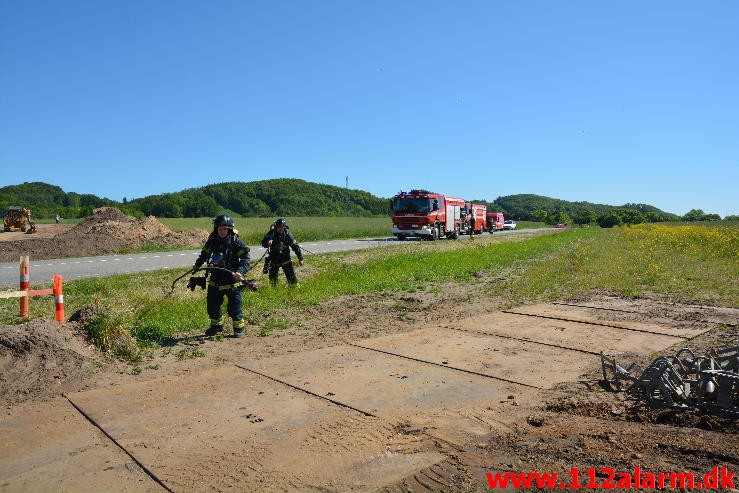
25,282
58,298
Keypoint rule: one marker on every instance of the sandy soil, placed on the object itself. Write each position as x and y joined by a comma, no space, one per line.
42,231
570,422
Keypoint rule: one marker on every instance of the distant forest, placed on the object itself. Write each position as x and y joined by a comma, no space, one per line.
293,197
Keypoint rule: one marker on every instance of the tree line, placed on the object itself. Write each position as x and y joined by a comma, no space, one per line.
267,198
529,207
294,197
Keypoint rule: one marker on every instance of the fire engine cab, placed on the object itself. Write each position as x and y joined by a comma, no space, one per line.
428,215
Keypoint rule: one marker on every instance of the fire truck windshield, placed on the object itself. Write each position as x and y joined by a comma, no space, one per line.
408,204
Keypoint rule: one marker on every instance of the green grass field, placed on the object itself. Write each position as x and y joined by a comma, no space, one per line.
252,230
682,263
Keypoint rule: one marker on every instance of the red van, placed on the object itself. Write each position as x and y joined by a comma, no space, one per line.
495,221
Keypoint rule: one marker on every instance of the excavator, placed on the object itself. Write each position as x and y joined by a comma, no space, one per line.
18,217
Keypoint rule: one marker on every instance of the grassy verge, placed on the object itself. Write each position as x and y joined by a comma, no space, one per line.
531,225
683,263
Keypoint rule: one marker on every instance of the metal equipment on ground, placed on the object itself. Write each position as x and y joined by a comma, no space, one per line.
708,383
20,218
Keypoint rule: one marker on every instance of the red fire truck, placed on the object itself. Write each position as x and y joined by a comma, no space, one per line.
475,218
427,215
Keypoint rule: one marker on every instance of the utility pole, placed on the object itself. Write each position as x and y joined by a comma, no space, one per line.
346,197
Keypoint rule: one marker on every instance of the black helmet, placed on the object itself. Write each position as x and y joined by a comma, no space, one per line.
280,222
223,220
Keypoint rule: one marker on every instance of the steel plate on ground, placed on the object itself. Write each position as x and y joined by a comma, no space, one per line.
575,335
228,429
531,364
587,315
445,401
658,312
58,450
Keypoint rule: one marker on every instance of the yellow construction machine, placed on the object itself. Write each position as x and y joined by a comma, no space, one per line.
18,217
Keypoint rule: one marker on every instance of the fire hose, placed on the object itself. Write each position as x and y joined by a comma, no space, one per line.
194,281
268,262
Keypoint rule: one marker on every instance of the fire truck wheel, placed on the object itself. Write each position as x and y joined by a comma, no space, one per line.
435,233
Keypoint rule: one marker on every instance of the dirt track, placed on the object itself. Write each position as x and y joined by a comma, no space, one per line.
366,393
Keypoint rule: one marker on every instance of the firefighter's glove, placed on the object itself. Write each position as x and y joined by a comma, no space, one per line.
195,282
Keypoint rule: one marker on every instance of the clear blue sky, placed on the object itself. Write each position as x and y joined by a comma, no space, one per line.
606,102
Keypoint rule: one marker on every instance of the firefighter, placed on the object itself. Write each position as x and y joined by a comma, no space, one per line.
224,249
278,241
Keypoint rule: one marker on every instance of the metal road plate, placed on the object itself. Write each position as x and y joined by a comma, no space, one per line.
448,403
59,450
523,362
589,315
575,335
229,429
660,312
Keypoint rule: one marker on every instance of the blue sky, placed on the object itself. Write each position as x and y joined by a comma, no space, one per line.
606,102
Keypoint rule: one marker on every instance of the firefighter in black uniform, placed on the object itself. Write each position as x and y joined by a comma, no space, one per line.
224,249
278,241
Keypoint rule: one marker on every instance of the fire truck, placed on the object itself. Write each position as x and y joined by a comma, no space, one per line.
428,215
475,218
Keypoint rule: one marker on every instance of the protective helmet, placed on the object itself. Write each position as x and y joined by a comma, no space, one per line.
223,220
280,222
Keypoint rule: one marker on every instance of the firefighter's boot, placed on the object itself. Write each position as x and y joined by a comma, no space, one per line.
214,329
238,328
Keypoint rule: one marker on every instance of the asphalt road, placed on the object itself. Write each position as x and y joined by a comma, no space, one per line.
41,271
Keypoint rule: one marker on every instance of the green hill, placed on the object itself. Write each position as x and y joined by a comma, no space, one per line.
523,207
278,197
46,200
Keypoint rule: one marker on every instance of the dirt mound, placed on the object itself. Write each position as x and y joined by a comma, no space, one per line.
107,231
42,358
104,214
111,222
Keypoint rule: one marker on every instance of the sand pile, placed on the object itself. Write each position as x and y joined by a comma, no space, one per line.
41,358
